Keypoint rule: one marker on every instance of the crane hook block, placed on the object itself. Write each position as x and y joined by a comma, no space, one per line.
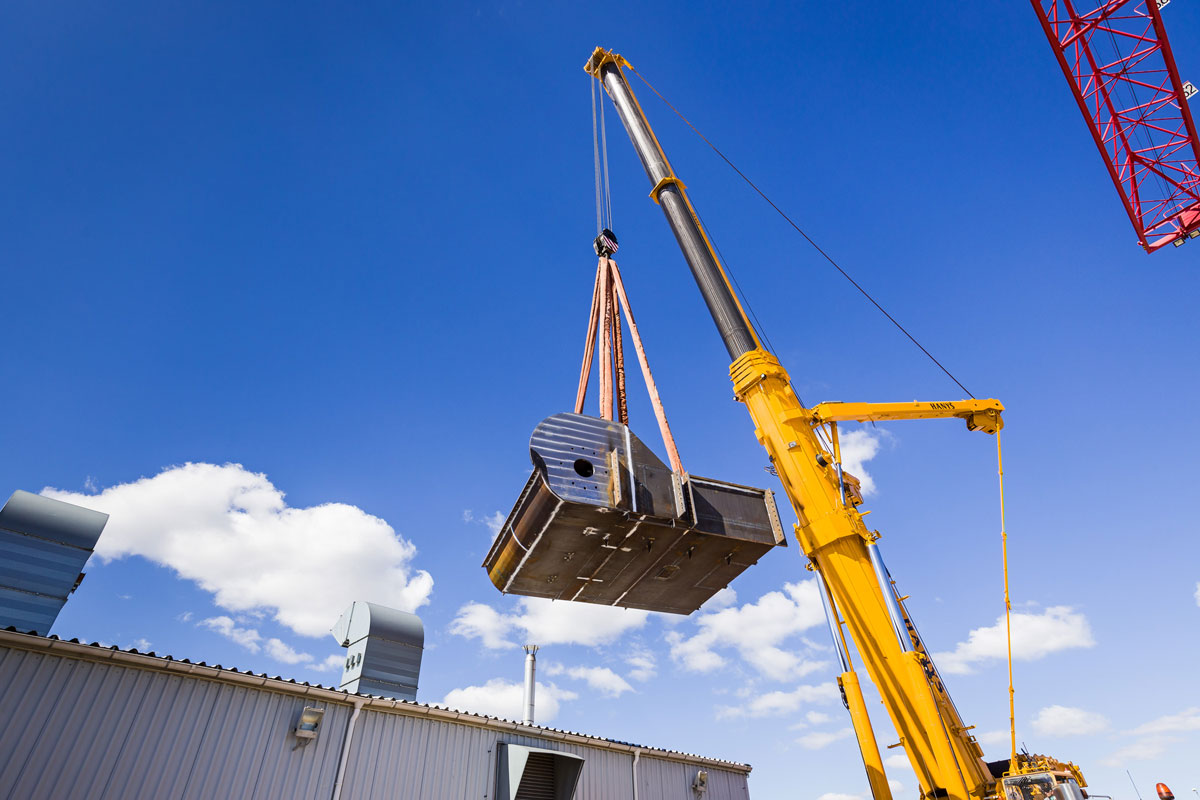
603,520
605,244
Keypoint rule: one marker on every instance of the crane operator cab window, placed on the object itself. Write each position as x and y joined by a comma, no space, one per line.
1040,786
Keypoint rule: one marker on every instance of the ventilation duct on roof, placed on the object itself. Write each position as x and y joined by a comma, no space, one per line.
44,544
384,650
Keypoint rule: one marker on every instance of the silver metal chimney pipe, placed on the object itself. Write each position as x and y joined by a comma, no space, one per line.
530,673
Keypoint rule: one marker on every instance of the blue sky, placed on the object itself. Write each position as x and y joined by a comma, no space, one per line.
348,249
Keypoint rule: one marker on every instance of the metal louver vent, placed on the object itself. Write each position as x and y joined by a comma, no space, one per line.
537,782
534,773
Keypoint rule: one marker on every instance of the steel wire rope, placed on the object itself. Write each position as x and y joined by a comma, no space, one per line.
596,162
807,238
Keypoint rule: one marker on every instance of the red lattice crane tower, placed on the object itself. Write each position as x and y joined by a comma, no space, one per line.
1118,62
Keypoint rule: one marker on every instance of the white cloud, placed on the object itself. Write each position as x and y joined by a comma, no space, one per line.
778,702
840,796
1198,593
277,649
333,662
858,447
817,718
230,531
248,638
724,598
1186,720
897,761
756,631
494,522
993,738
1066,721
282,652
820,739
602,679
896,786
546,622
142,644
1033,636
479,621
500,698
643,665
1141,750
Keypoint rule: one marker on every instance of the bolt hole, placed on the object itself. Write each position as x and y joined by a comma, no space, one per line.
584,468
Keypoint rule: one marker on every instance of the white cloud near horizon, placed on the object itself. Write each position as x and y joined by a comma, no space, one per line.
501,698
820,739
546,622
1180,722
276,649
230,531
1059,720
1198,593
1034,636
776,703
756,631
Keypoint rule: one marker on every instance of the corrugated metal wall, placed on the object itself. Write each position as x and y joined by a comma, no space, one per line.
74,728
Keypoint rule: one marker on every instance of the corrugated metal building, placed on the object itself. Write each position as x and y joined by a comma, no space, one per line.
83,721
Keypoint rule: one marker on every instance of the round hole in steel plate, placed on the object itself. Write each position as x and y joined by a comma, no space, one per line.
584,468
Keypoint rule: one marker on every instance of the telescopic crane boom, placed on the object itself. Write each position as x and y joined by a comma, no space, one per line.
842,550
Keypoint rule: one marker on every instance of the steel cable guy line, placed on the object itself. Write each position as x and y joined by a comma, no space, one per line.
807,238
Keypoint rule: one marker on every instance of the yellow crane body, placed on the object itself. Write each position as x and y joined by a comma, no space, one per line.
830,529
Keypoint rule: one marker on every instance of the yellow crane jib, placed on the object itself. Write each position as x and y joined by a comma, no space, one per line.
980,415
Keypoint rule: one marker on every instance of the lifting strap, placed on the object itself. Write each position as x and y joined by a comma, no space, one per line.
609,301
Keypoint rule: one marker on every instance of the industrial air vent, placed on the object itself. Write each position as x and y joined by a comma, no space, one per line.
385,647
44,544
531,773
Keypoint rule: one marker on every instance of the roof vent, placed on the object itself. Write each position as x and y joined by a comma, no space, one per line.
384,650
44,544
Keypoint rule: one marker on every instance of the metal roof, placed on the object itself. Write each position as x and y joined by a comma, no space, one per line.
74,648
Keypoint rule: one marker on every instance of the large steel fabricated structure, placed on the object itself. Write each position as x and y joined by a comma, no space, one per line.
1118,62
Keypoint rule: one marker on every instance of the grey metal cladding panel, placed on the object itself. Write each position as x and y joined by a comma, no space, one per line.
71,720
310,770
83,729
52,519
28,612
395,757
37,565
162,744
669,780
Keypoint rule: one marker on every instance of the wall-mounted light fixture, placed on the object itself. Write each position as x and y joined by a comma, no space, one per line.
309,723
700,782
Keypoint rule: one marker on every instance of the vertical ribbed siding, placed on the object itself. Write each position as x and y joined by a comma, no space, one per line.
668,780
80,728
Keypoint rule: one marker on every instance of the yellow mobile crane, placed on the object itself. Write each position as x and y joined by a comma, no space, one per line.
841,549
